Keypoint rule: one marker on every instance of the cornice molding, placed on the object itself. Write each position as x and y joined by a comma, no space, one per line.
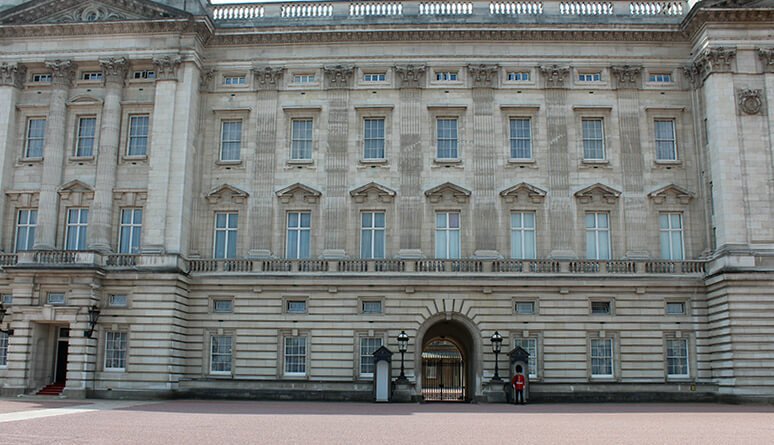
13,74
114,69
203,28
62,72
484,76
268,78
699,16
627,76
410,76
339,76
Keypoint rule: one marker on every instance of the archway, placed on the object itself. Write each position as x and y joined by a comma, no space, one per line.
448,359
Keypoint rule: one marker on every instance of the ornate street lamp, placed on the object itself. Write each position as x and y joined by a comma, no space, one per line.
497,344
93,317
402,346
2,316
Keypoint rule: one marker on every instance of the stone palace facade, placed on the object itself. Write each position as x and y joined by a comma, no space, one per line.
258,196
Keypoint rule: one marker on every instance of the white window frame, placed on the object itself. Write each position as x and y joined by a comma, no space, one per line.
143,75
227,231
379,139
4,349
222,353
523,232
295,153
660,78
28,227
447,76
28,138
63,300
366,356
590,76
372,230
291,301
531,304
516,138
222,301
366,301
117,300
445,138
41,77
446,232
374,77
84,151
304,78
298,229
131,227
116,355
608,340
669,356
683,308
518,76
223,141
131,137
601,138
597,231
668,233
91,75
234,80
672,141
285,355
80,235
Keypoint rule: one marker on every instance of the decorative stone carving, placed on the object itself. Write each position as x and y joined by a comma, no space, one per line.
205,78
627,76
130,197
750,101
339,76
555,75
226,192
308,194
767,59
535,194
23,198
166,67
691,73
88,13
606,193
12,74
383,194
484,76
62,72
715,60
268,77
410,76
459,194
76,192
114,69
660,195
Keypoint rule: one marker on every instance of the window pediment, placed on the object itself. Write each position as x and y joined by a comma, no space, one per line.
533,193
679,194
448,190
23,198
600,191
226,192
84,100
382,193
298,190
130,197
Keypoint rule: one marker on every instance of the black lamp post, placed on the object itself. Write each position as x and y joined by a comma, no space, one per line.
2,316
402,346
93,317
497,344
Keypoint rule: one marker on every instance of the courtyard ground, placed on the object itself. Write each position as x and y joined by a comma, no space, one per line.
188,422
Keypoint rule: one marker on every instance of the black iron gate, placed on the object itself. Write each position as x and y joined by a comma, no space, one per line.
443,378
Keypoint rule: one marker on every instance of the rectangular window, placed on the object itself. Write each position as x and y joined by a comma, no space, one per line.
303,78
138,135
220,354
529,345
36,131
6,299
301,139
666,148
593,140
26,222
446,76
372,307
91,75
84,146
601,357
589,77
41,77
600,307
597,236
299,235
56,298
373,138
3,349
115,350
296,306
447,235
130,230
77,222
118,300
675,308
446,138
372,235
521,138
295,355
230,140
374,77
225,235
671,233
677,357
525,307
519,76
368,345
661,78
223,306
234,80
523,235
144,74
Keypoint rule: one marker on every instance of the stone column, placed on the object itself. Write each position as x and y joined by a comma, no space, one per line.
484,154
162,132
113,74
62,73
338,80
410,80
11,82
261,203
635,207
560,217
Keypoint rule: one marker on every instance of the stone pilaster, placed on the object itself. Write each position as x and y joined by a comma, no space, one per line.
62,73
99,233
410,198
11,82
484,158
560,217
261,204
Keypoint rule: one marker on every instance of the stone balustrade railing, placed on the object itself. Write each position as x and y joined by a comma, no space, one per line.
417,10
8,259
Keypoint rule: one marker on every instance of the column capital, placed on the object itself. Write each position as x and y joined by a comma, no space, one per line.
484,76
12,74
166,67
627,76
767,59
62,72
114,69
268,77
715,60
339,76
555,75
410,76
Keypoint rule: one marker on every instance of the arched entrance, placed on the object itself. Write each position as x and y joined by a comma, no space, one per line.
448,359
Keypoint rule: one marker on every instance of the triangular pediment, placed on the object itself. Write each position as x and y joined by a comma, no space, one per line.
448,188
226,192
534,193
299,190
75,186
679,193
75,11
382,192
605,192
76,192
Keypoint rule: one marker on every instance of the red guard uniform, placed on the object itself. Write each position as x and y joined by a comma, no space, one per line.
518,386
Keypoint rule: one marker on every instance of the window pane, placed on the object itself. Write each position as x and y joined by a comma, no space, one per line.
305,244
379,244
379,219
591,245
454,220
516,244
292,249
365,244
446,130
366,219
440,220
138,135
604,245
454,244
440,244
529,244
306,219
